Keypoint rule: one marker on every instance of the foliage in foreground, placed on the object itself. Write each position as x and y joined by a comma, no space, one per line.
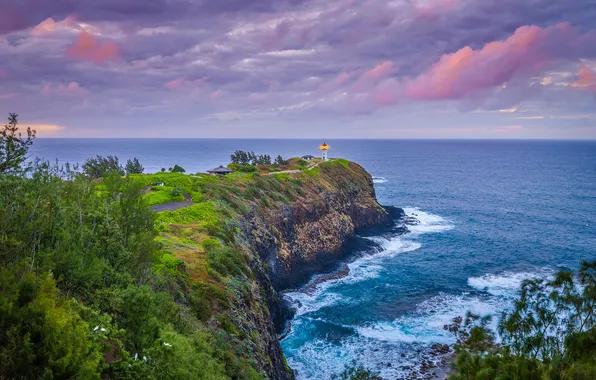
13,146
88,291
549,334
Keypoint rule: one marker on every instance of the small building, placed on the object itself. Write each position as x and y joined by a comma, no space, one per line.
308,157
220,170
159,184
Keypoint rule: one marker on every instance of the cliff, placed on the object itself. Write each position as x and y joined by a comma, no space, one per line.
246,237
302,237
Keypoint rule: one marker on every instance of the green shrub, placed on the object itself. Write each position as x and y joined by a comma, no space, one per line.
226,261
41,335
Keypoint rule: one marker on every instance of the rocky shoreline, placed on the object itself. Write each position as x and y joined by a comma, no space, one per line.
436,359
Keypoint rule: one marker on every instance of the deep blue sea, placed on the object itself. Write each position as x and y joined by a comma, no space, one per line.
492,213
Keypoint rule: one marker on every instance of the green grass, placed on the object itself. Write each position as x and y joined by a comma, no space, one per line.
200,213
162,194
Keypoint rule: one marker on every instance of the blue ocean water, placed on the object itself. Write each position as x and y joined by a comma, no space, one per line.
491,214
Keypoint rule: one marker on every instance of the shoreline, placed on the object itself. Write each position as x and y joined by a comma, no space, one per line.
435,364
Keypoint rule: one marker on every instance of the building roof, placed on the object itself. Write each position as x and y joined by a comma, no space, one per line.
220,170
308,157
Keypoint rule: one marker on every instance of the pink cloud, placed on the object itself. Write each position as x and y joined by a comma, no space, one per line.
528,51
370,78
342,78
2,74
69,89
379,71
333,84
50,25
8,96
586,79
89,48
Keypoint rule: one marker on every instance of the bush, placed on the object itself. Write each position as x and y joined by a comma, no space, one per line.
177,192
226,261
177,169
41,335
134,167
99,166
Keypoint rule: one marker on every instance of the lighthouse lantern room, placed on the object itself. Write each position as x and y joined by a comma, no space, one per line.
324,148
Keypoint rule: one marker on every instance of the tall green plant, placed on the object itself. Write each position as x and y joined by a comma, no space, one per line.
13,146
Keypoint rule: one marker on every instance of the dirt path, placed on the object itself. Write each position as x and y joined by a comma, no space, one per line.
310,167
173,206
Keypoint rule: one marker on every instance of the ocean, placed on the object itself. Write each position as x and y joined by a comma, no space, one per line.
492,213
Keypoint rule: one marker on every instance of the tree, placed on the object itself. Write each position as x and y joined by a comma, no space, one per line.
41,334
279,160
134,166
263,159
13,146
177,169
549,334
100,166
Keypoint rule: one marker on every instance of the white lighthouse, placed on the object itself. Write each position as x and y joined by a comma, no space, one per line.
324,148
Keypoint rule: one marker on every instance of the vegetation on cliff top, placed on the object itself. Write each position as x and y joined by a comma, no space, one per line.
94,284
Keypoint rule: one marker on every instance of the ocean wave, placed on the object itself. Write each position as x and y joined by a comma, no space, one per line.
506,284
389,360
379,179
425,324
427,222
404,341
362,269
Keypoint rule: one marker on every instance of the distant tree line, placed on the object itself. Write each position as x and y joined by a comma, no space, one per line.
242,158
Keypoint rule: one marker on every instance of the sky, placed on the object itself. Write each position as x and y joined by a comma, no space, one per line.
301,68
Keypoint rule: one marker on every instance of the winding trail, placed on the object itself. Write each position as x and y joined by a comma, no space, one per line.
310,167
173,206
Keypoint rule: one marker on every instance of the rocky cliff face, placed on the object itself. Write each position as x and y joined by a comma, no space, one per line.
289,242
300,238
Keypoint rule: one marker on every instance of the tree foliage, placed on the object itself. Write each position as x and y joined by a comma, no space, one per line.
240,157
134,167
99,166
41,335
279,160
13,146
177,169
87,290
549,334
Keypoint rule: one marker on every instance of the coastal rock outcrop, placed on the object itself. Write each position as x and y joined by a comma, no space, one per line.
289,242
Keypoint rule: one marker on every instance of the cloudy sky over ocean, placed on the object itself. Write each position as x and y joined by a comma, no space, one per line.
301,68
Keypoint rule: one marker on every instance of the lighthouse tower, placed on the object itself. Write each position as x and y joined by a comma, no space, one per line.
324,148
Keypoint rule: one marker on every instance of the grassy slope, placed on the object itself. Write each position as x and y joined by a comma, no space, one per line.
199,239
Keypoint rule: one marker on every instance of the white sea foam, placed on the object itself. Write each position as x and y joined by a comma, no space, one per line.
379,179
428,222
425,324
506,284
378,346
